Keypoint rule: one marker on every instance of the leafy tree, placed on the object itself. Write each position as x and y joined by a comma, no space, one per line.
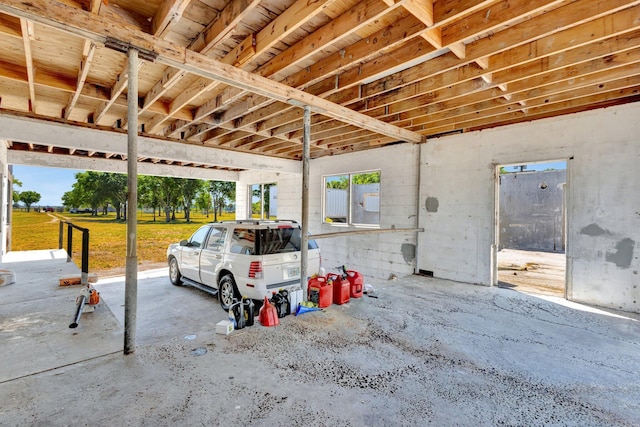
203,200
28,198
114,188
89,189
169,190
342,183
16,193
72,199
366,178
221,191
149,192
189,188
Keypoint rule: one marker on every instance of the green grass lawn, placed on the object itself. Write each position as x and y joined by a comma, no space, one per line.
107,237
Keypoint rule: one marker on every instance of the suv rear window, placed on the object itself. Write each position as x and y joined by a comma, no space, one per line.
267,241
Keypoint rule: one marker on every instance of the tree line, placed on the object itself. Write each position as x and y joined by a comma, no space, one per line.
28,197
99,190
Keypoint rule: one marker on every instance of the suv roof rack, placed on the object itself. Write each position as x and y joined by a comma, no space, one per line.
256,221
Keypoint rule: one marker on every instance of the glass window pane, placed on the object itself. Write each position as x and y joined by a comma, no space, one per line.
270,201
216,238
243,241
365,198
255,193
336,198
198,237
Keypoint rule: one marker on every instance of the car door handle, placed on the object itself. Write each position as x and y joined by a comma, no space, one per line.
217,256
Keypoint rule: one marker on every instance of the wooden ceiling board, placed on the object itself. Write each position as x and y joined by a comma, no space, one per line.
56,51
478,64
15,95
145,8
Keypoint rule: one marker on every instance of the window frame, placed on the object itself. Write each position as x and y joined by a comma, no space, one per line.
349,219
263,190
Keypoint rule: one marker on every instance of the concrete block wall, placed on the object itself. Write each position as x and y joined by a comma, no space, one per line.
376,255
602,146
248,178
289,193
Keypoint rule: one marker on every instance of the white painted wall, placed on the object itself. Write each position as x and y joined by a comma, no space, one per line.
603,200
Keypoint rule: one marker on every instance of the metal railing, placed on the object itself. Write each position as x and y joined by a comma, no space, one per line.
84,277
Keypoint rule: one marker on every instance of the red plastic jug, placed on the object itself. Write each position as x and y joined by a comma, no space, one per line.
341,289
268,314
320,291
357,283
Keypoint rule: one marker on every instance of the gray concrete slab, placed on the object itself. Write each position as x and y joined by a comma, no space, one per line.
35,313
427,351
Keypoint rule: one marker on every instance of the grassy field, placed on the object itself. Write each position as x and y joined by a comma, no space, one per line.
107,244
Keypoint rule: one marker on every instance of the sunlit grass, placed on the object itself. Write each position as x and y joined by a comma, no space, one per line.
107,237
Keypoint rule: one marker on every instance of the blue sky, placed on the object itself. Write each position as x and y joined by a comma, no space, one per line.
539,166
51,183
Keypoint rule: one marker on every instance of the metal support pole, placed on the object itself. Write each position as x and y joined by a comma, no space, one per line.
69,243
60,235
304,250
131,267
84,275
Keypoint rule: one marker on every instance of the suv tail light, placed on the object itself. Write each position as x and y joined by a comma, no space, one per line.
255,270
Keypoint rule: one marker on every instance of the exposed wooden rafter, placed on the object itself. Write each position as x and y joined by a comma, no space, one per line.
232,74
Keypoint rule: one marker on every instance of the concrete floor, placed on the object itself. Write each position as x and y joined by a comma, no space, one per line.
532,272
427,351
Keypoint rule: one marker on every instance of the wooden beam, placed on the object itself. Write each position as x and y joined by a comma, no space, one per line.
85,64
85,137
216,33
121,83
254,44
224,26
83,24
167,15
562,48
421,9
25,27
363,14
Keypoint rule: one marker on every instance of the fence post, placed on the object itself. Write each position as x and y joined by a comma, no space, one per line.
60,236
69,243
84,277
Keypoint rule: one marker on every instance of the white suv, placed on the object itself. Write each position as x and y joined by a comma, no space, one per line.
243,258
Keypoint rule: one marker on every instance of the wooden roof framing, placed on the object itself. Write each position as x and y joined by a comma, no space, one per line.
232,74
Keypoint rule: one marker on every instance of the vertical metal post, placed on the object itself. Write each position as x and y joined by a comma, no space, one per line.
131,267
60,235
69,243
84,275
304,250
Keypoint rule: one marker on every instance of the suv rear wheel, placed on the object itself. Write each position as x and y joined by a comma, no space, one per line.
227,291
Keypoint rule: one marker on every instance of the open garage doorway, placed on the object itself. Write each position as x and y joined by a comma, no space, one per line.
531,227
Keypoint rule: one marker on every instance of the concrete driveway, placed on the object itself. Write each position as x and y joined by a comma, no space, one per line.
426,351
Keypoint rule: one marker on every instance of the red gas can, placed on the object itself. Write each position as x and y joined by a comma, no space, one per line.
320,291
357,283
341,289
